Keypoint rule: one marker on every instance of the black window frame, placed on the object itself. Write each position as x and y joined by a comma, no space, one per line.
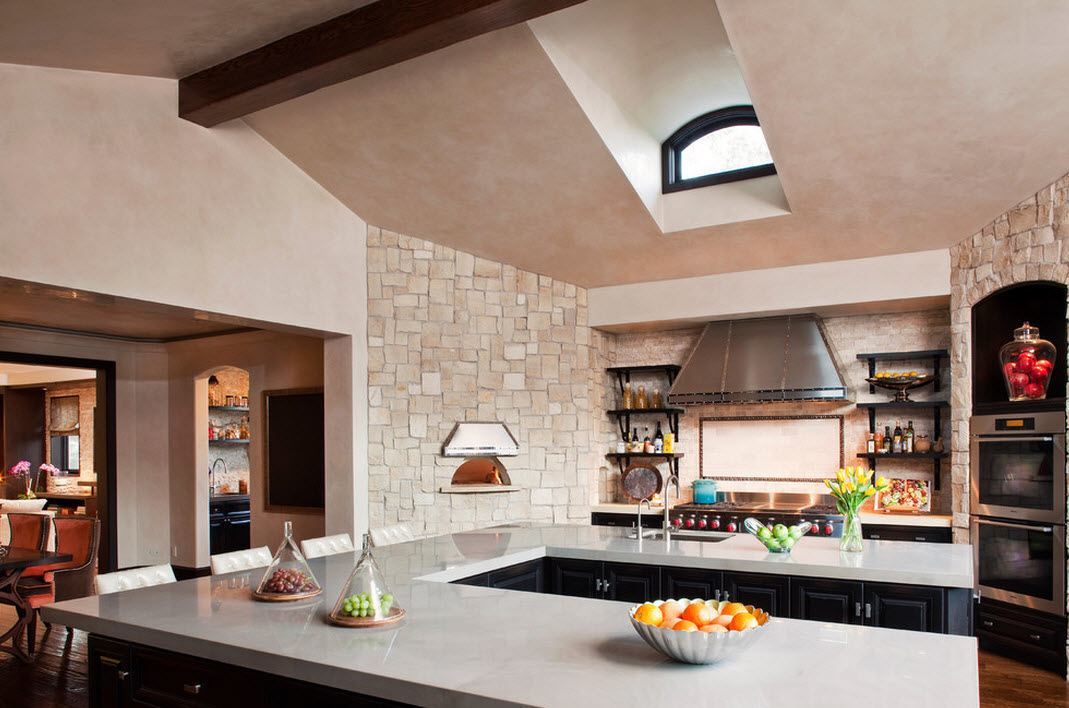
672,149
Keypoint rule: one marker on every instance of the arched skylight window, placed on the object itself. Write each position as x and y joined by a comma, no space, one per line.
722,146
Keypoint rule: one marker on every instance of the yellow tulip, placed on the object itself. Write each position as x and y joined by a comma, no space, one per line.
827,483
840,475
870,491
881,481
848,486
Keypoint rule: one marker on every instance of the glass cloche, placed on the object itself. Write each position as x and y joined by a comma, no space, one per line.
366,600
1027,363
288,577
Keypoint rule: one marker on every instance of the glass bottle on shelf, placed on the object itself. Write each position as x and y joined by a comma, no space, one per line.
658,439
656,401
636,444
647,442
288,577
909,437
214,392
640,400
629,401
886,439
871,445
366,600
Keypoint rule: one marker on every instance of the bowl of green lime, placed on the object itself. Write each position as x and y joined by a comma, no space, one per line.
778,538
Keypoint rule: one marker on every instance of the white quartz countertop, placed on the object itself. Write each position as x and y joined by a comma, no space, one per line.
473,646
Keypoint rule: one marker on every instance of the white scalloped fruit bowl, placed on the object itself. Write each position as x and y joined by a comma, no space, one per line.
695,647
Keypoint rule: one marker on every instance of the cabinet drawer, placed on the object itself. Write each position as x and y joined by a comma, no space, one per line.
165,679
917,534
1037,635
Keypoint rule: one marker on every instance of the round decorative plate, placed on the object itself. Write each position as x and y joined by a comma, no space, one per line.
641,482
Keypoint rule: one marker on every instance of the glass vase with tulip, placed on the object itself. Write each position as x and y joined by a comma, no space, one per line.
852,487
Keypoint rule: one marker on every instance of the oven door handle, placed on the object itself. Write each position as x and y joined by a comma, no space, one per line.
987,437
1042,529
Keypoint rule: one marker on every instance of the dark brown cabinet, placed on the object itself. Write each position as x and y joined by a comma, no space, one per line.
577,578
109,673
769,592
823,600
917,534
526,577
691,583
229,520
630,582
904,607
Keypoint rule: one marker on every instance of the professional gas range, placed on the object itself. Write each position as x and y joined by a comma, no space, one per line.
714,522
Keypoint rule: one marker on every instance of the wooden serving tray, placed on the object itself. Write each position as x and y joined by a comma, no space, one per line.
396,613
284,597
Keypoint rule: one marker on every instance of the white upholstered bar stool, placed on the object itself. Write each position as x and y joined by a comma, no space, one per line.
326,545
241,560
398,533
134,578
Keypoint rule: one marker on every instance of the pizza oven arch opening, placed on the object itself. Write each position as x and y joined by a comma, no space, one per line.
481,471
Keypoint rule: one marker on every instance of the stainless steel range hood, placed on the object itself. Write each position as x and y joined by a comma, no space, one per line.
757,361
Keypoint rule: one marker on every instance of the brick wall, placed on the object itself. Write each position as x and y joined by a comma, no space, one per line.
455,337
847,337
1028,242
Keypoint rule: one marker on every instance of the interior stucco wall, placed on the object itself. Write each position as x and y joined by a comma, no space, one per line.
104,188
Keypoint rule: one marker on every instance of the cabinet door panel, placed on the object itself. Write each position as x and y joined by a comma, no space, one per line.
577,578
526,577
826,600
482,580
690,583
769,592
920,609
237,531
109,671
631,583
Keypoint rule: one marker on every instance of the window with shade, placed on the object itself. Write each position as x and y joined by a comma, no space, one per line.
722,146
63,428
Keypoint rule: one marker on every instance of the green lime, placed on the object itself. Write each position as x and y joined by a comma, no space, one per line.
780,531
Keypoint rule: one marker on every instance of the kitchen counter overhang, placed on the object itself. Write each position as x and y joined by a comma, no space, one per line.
464,645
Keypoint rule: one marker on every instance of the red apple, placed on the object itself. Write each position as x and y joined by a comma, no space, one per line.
1043,363
1025,361
1018,382
1039,374
1010,368
1034,390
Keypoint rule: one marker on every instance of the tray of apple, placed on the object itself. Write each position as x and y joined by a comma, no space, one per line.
698,631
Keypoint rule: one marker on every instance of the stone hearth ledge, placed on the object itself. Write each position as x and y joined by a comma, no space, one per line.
473,646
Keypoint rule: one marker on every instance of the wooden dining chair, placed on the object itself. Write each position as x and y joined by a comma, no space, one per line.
28,530
80,537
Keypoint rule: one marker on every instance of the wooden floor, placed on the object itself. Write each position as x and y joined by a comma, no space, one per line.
58,679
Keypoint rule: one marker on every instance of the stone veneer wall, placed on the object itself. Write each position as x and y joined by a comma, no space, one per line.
232,382
455,337
847,337
1028,242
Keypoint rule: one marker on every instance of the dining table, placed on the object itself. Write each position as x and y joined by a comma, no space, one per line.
13,562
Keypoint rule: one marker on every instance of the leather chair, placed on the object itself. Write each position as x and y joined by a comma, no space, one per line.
241,560
326,545
134,578
398,533
28,530
80,537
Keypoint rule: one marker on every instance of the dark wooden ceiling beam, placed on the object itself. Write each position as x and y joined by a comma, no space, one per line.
361,41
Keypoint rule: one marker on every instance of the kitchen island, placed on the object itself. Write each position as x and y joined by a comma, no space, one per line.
203,640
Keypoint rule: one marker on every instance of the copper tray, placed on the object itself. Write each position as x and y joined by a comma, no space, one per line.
284,597
641,481
396,614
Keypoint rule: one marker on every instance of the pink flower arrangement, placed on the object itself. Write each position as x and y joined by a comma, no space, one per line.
50,470
20,469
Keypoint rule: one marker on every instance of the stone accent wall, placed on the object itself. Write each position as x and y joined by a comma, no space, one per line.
232,382
847,337
455,337
1028,242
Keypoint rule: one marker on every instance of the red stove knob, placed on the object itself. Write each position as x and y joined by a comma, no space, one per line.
714,524
732,527
814,529
828,529
689,523
703,522
677,522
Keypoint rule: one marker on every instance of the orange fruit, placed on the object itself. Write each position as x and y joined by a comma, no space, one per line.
649,614
672,609
723,620
743,621
698,613
668,623
713,627
732,608
685,626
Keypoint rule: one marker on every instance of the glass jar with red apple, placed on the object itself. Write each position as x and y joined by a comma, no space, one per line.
1027,363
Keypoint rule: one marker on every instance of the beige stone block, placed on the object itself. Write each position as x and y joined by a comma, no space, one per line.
514,382
487,269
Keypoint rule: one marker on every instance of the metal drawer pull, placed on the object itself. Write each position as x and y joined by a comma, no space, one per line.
605,585
989,623
921,538
857,609
868,610
875,536
122,675
191,688
110,661
717,595
1035,637
727,596
598,586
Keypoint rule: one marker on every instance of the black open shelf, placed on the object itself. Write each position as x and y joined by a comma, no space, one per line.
234,409
624,458
232,441
904,405
905,455
1015,407
623,417
936,355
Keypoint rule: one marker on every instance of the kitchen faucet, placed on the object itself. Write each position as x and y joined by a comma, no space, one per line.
211,475
638,528
669,481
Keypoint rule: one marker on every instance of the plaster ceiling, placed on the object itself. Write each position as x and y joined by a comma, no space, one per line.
29,374
895,127
148,37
